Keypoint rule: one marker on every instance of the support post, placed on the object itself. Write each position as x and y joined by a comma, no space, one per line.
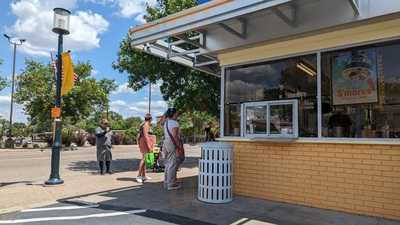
55,153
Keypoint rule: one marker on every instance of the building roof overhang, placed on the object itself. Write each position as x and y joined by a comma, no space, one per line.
194,37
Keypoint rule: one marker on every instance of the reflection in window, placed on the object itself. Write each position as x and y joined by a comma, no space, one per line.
361,92
232,120
281,117
294,78
256,121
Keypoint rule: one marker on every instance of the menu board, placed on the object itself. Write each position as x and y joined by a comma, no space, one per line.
354,77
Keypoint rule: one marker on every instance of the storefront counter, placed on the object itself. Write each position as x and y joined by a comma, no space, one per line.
352,177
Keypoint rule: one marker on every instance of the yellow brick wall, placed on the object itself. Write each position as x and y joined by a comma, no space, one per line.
362,179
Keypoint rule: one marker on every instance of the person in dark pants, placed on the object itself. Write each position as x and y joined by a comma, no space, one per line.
207,131
104,146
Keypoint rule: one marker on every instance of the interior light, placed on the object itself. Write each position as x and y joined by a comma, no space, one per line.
307,69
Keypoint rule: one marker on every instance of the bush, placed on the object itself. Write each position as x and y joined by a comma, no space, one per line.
80,139
66,139
130,135
116,139
91,138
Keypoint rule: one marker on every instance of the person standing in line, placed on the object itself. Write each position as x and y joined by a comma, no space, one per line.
103,146
171,142
207,131
145,146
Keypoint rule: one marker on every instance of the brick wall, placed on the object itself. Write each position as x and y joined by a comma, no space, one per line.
362,179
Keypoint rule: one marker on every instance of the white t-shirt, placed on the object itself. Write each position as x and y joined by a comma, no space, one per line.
171,124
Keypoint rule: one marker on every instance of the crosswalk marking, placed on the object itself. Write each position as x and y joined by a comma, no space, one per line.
60,208
98,215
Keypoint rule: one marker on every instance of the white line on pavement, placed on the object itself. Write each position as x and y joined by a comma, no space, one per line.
99,215
60,208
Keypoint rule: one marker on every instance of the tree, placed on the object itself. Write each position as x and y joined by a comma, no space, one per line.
4,125
192,123
185,88
36,92
20,130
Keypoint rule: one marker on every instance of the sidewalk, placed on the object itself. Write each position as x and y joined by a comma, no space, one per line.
241,211
119,191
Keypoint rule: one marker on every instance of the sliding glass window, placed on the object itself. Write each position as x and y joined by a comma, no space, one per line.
289,79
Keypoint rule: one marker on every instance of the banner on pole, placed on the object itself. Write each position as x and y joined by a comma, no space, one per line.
68,78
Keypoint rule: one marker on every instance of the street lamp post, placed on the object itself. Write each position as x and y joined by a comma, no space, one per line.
149,97
60,27
15,42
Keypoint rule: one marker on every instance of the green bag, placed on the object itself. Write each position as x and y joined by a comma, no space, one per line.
149,159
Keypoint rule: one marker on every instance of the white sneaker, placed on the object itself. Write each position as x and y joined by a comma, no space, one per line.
139,180
147,178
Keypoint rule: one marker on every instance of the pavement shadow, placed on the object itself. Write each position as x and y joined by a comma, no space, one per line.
121,165
182,207
177,207
3,184
92,166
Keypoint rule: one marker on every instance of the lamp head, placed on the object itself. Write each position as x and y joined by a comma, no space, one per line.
61,21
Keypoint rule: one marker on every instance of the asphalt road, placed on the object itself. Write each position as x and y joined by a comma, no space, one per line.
24,171
34,165
93,214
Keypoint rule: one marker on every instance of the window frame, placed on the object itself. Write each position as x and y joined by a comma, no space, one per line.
318,53
295,118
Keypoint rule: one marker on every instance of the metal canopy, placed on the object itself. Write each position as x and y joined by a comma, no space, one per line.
184,42
195,37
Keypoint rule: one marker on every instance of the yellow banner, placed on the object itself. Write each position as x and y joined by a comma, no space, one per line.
68,73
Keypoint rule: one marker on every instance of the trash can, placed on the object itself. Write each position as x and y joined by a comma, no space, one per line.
215,173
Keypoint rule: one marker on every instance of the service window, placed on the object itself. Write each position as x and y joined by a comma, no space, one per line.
270,119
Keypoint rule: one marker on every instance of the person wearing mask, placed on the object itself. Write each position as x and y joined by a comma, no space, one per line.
103,146
145,146
171,149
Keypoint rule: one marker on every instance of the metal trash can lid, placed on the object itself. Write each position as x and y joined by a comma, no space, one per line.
216,145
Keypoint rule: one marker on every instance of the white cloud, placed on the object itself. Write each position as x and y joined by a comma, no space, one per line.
123,89
18,115
118,103
34,22
136,8
128,8
139,108
94,73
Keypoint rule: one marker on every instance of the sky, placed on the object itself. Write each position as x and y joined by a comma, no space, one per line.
97,27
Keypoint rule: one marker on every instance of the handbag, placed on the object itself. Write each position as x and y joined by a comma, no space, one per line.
180,151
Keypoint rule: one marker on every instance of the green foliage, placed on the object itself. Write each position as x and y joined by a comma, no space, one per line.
36,92
185,88
21,130
3,83
4,125
193,123
130,135
117,122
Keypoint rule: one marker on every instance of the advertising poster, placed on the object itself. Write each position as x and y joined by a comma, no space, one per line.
354,77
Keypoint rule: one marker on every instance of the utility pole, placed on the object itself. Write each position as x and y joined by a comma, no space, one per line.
15,42
149,97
